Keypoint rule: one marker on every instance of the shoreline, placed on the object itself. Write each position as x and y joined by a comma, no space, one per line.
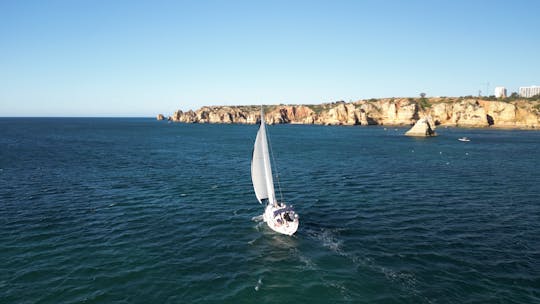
455,112
502,128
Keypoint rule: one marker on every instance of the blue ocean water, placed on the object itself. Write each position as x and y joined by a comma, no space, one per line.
141,211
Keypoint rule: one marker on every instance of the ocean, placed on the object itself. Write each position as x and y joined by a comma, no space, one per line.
134,210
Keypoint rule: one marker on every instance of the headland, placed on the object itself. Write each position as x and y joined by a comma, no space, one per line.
475,112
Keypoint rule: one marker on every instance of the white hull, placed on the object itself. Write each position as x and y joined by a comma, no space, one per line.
278,223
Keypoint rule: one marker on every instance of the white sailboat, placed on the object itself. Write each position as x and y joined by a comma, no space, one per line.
279,217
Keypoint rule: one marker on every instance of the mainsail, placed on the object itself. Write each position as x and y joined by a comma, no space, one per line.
261,171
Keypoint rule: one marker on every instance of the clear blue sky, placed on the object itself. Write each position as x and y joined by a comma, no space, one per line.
140,58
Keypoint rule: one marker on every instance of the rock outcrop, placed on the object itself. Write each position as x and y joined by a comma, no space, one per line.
424,127
461,112
160,117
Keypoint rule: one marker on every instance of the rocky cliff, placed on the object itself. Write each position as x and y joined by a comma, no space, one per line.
466,112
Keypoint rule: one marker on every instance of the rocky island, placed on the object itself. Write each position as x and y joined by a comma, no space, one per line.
444,111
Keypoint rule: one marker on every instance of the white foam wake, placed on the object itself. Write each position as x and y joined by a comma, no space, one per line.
258,218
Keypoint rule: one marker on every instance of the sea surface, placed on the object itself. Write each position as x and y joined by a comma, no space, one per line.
112,210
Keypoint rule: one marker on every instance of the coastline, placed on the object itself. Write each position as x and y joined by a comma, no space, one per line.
460,112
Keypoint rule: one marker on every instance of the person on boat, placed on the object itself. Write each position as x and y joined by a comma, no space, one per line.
287,217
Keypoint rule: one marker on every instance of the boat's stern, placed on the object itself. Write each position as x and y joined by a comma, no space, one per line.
281,219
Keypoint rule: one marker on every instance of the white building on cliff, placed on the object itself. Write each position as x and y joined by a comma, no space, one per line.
529,91
500,92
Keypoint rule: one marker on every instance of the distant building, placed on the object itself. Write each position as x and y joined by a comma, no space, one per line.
529,91
500,92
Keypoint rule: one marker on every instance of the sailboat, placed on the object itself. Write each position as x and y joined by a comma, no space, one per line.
277,215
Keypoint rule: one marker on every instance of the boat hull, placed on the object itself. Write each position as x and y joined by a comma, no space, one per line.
278,223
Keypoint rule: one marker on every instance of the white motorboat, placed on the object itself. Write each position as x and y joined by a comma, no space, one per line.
464,139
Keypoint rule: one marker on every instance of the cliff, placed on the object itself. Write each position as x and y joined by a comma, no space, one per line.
462,112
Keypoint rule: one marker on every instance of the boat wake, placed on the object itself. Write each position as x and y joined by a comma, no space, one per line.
258,218
329,238
259,284
259,226
308,263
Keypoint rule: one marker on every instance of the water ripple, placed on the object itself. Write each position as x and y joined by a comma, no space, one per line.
131,210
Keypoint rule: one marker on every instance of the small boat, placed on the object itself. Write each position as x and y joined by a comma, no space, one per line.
277,215
464,139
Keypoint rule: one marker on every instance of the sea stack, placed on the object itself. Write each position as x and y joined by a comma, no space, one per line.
160,117
424,127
